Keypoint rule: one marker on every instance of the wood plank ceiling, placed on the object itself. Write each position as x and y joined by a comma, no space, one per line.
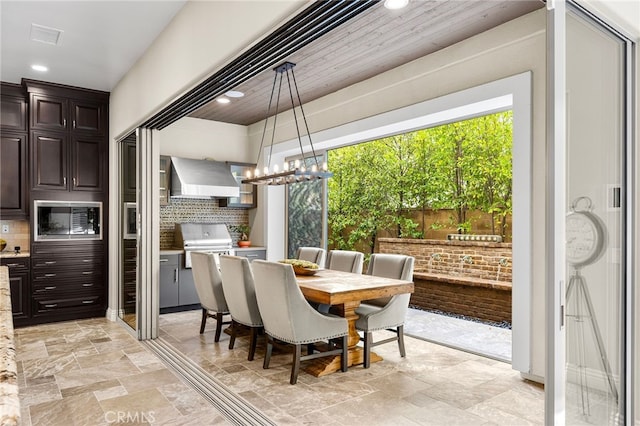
371,43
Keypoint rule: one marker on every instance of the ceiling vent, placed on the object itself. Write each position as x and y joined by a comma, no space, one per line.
45,35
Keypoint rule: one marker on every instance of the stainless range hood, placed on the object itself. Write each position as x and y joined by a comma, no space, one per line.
202,179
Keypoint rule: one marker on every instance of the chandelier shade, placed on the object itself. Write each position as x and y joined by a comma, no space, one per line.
300,172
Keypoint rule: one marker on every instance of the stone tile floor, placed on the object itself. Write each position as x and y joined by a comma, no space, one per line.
93,372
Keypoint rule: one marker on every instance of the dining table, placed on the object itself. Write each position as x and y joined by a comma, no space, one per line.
344,291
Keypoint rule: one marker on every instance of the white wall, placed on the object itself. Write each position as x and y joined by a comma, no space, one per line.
510,49
203,36
205,139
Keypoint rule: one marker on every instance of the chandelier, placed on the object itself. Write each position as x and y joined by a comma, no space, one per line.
300,171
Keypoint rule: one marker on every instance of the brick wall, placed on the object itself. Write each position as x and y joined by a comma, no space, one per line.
488,261
490,304
479,287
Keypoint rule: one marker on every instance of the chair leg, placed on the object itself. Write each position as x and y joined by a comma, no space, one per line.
267,353
295,368
253,338
204,320
368,340
344,359
219,318
234,330
401,340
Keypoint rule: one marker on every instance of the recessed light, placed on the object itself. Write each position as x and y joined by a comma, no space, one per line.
39,68
223,100
234,94
395,4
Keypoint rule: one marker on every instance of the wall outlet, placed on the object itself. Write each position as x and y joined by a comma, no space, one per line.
5,229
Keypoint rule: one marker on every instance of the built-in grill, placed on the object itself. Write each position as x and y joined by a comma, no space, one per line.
202,237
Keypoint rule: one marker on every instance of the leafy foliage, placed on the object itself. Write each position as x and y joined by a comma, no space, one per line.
461,166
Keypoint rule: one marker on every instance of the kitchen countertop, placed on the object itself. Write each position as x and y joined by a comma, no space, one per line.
10,254
9,400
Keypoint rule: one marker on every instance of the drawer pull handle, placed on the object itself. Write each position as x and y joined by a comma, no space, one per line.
87,302
51,262
11,265
87,272
50,287
49,275
87,285
53,305
252,255
164,260
86,260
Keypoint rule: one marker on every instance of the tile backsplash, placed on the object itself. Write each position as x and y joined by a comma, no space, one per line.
186,210
18,234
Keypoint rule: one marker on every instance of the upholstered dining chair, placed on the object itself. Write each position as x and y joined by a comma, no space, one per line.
209,288
345,261
385,313
312,254
289,318
239,290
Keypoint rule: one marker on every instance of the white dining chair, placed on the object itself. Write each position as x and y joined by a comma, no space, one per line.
345,261
209,288
385,313
239,290
312,254
288,317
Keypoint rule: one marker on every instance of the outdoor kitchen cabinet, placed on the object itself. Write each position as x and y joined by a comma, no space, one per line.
177,287
248,194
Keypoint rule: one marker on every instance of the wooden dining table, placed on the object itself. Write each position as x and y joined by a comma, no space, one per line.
344,291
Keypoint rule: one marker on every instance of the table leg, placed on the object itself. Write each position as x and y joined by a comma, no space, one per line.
323,366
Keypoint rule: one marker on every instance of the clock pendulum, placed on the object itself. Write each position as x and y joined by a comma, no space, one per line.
585,244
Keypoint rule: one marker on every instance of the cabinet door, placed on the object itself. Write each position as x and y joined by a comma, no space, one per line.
48,112
13,112
49,161
87,162
19,283
13,176
88,117
248,194
168,281
129,171
188,294
165,179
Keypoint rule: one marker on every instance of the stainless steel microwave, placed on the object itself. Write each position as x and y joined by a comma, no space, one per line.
67,220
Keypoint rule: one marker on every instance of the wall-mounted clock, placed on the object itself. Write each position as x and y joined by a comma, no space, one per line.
585,234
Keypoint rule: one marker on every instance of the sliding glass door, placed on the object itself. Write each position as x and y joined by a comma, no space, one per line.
590,219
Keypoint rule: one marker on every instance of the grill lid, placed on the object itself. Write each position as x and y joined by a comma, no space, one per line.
201,235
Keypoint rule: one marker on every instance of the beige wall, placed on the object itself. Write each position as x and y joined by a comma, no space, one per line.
205,139
510,49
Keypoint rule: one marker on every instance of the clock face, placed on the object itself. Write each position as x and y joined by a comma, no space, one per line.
585,238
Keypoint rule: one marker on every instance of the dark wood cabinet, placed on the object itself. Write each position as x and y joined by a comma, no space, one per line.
19,283
129,170
68,137
13,108
13,176
68,281
13,152
62,114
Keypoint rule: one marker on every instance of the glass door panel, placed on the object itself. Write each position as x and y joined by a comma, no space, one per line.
595,239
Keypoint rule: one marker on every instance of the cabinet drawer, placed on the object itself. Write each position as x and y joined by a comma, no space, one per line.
253,254
58,276
16,264
49,263
49,286
76,302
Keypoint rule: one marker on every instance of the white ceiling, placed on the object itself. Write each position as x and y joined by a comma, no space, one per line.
100,42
